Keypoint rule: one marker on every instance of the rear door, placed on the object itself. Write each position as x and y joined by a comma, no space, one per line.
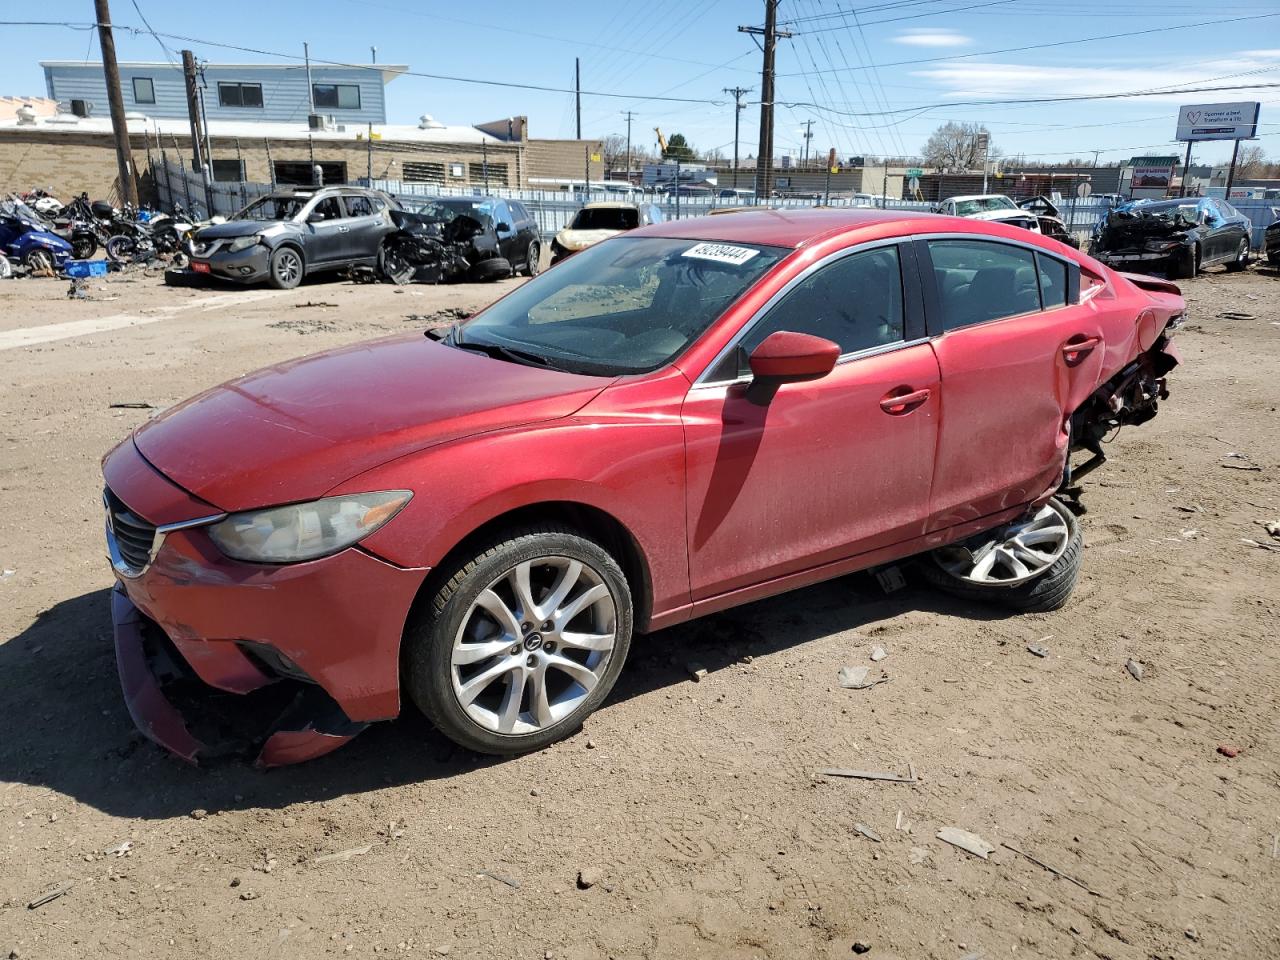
832,467
364,227
1017,353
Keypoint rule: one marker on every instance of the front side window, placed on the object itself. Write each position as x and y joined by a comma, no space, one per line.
336,96
240,94
979,280
326,209
855,302
627,305
144,91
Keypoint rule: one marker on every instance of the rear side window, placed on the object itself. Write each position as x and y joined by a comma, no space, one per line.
1053,281
979,280
855,302
358,206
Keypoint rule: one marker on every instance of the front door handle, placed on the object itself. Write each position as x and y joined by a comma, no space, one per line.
344,229
896,403
1079,347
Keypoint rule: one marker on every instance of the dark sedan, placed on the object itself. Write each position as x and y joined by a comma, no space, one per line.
285,236
1271,242
1177,236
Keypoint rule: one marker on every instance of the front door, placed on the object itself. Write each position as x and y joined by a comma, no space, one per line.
326,232
1017,356
829,468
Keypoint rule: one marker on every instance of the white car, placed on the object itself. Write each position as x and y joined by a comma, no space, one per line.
600,221
989,206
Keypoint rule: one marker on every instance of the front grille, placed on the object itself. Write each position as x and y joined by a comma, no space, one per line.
134,537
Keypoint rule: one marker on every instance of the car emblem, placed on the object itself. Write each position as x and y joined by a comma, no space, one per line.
533,641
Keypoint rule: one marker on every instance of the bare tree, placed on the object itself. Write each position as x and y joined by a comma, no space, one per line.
614,150
957,147
1251,162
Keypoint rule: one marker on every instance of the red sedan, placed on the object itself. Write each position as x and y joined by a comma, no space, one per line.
691,416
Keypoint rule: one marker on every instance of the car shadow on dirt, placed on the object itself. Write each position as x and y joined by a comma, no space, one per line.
65,726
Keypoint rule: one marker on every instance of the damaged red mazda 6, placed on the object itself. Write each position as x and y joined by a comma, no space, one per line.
690,416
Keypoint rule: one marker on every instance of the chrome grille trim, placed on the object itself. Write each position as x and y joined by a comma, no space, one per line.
132,542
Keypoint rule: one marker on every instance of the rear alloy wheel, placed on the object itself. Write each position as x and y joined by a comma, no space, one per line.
525,640
393,264
1241,258
83,247
121,249
1030,564
39,261
533,264
286,268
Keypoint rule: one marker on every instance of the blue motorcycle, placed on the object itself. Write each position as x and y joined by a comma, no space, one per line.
26,238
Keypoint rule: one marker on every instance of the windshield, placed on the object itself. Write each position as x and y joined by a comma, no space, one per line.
446,210
628,305
13,207
273,208
967,208
606,218
1176,210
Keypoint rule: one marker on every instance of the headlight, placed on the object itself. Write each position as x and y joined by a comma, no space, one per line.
306,531
243,243
1158,246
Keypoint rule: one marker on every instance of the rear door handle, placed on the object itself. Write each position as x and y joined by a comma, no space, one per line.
896,403
1079,347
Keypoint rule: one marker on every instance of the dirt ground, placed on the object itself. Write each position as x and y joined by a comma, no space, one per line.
699,805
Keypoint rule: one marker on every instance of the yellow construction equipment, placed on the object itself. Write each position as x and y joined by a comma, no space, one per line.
662,141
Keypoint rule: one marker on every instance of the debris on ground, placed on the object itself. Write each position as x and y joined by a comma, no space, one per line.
877,654
1038,649
130,405
867,832
249,895
1258,543
440,317
588,877
902,824
49,897
344,854
890,579
696,671
509,881
199,813
1229,462
1228,750
966,841
870,774
1236,315
858,678
121,849
860,946
1054,870
314,303
1272,527
1134,668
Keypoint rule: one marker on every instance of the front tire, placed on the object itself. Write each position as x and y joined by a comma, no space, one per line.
523,641
39,261
533,262
1186,264
285,268
83,247
1030,565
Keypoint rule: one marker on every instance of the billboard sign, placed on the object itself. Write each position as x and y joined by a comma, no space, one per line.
1218,121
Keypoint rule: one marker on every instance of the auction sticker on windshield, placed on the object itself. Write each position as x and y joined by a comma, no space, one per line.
721,253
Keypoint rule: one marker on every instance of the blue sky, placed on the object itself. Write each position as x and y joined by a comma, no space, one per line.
850,65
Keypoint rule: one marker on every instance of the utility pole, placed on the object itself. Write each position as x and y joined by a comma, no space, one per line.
764,158
577,92
1231,170
738,107
119,126
193,108
808,135
630,116
311,91
1186,169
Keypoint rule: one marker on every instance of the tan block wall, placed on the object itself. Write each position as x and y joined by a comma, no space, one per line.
64,163
563,159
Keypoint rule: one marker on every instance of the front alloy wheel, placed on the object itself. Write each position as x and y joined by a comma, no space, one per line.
522,642
286,268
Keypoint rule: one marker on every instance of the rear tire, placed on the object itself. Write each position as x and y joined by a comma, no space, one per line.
39,261
1049,590
486,271
286,268
83,248
533,262
447,643
121,249
1241,259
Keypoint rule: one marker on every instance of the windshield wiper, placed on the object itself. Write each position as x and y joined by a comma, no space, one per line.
500,352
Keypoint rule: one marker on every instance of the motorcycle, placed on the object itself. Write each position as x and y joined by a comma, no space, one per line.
25,237
43,202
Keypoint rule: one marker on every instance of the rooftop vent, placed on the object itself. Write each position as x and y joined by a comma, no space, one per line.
428,122
81,108
26,115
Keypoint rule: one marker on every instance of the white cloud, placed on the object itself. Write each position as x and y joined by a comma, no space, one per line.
932,38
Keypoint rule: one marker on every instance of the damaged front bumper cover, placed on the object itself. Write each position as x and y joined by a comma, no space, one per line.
284,722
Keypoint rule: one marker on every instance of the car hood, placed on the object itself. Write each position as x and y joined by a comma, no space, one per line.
237,228
581,239
295,430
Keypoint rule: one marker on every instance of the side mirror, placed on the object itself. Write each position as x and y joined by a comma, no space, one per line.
504,227
788,357
316,217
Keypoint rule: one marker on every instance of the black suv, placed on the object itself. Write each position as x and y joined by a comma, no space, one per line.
505,226
287,235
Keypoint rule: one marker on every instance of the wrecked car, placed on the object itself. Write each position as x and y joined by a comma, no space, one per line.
683,418
1179,237
1271,239
992,207
600,221
285,236
485,238
1049,219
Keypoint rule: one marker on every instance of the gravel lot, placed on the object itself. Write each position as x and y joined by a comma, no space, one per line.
696,807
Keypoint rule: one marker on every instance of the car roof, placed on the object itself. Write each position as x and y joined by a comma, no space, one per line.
783,228
979,196
611,205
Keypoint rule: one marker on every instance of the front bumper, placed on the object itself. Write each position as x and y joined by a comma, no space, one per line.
218,657
244,266
1141,259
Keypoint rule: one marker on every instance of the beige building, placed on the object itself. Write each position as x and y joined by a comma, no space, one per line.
68,154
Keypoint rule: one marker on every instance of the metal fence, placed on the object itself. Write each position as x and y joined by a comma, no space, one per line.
554,209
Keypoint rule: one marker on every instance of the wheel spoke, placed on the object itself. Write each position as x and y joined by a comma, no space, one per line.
468,653
1036,560
477,685
584,675
497,608
1016,566
982,569
581,602
509,712
588,641
539,706
1052,535
524,593
568,580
